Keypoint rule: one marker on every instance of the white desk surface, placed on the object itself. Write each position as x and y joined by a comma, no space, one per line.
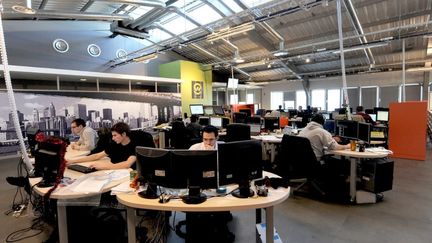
272,138
356,154
67,194
297,119
212,204
72,153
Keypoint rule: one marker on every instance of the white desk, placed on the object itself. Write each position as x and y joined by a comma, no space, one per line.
66,194
214,204
355,157
269,142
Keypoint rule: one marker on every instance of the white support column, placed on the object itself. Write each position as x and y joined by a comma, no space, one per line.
130,86
97,84
58,82
403,70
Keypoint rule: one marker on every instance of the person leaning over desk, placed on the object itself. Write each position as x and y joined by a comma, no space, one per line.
320,138
88,136
121,152
210,136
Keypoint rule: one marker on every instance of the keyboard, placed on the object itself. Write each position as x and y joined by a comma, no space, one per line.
81,168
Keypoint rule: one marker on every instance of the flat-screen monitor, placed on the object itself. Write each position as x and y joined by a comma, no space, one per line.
373,117
292,112
240,162
48,158
364,132
382,116
255,129
154,167
329,125
208,110
216,121
271,123
326,115
376,109
192,169
225,122
203,120
196,109
253,120
247,111
200,168
346,128
217,110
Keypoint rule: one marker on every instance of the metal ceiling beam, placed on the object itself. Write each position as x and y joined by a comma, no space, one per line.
43,4
352,13
44,14
147,3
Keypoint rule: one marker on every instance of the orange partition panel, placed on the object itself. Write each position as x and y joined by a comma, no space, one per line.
283,121
407,129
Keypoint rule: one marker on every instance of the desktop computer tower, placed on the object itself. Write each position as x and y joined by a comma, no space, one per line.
377,175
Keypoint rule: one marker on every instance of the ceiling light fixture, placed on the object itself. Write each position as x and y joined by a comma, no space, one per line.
237,58
146,58
308,60
230,31
419,69
361,47
23,10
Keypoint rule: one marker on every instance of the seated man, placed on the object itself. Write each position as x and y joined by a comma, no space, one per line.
88,136
193,128
319,138
121,152
365,116
210,136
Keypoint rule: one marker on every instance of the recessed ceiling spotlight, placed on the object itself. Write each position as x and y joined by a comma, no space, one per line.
60,45
83,79
138,82
121,54
94,50
308,60
22,9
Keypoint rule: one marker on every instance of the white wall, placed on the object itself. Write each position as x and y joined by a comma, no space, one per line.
372,79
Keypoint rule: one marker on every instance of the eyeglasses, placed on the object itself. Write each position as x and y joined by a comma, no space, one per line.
73,127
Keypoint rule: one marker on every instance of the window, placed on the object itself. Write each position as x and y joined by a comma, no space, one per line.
388,94
254,3
368,97
276,99
233,99
319,99
412,92
139,11
333,99
179,25
301,99
157,35
249,98
204,15
289,104
232,5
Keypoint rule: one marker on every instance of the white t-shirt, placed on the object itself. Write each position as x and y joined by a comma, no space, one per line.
201,146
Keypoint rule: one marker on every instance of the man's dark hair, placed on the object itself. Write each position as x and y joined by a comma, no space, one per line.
211,129
79,122
194,118
121,128
318,118
359,108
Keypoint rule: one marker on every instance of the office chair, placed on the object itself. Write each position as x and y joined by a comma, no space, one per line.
237,132
142,138
179,136
104,139
298,161
305,120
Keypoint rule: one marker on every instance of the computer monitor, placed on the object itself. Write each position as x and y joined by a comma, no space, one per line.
253,120
347,129
240,162
217,110
200,168
208,110
203,120
154,167
216,122
247,111
196,109
239,117
382,116
369,111
376,109
49,155
271,123
292,112
225,122
329,125
364,132
373,117
326,115
31,138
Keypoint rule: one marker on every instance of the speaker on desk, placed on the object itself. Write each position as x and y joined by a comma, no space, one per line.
377,175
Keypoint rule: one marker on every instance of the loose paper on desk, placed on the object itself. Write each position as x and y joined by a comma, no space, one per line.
379,150
122,188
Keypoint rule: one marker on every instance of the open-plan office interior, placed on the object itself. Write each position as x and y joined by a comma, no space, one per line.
147,62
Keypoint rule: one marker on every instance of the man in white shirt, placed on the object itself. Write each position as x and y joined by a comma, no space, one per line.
88,136
210,136
320,138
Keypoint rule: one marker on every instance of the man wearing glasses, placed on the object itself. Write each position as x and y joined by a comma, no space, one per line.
88,136
210,135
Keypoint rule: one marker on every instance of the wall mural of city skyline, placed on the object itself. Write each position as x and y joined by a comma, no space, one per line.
53,111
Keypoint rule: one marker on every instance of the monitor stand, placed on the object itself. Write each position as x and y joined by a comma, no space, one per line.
195,196
243,191
151,192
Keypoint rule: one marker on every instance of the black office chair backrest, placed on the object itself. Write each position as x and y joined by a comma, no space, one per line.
239,117
104,139
179,138
237,132
297,159
142,138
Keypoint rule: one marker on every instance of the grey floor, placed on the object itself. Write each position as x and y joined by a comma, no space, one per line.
405,215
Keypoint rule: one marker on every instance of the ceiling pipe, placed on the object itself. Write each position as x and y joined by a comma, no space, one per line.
149,16
45,14
359,29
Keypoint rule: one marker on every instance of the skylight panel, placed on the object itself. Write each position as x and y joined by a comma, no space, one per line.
204,15
179,25
157,35
232,5
139,11
254,3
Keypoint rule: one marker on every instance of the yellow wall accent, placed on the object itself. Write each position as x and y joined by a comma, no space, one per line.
189,71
